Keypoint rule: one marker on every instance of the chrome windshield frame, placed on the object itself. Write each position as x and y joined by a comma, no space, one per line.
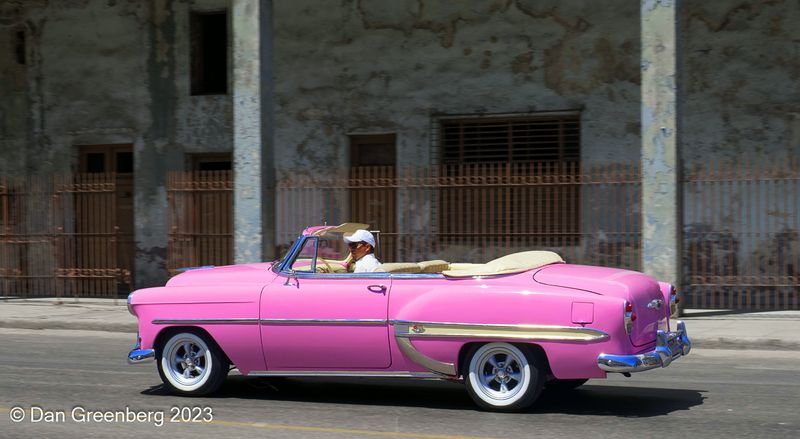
290,255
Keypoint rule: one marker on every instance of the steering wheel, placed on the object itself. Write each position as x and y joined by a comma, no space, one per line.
326,266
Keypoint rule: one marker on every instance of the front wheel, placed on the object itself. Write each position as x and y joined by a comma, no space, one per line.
501,377
191,364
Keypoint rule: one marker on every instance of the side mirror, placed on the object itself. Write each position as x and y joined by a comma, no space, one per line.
292,276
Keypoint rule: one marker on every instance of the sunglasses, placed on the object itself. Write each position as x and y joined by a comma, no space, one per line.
354,245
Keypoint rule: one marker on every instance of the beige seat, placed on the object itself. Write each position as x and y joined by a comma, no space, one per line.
464,266
513,263
398,267
434,266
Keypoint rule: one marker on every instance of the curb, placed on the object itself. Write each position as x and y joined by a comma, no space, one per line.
769,344
83,326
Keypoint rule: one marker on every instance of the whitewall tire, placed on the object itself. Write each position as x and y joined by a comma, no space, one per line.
189,363
503,377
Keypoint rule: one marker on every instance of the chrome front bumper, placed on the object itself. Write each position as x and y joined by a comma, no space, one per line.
669,346
139,355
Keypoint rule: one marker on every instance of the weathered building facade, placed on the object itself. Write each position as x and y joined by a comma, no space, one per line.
408,79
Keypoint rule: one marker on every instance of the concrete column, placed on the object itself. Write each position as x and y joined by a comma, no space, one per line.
251,25
155,153
661,185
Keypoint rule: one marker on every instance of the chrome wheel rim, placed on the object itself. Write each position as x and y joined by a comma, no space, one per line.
500,374
189,361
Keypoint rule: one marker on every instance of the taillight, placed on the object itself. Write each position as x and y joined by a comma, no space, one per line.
630,317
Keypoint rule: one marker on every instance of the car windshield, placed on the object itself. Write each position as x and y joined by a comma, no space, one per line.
328,250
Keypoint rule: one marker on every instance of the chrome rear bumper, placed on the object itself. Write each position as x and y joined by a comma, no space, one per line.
669,346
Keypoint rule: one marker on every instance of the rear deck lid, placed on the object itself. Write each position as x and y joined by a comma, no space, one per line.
635,287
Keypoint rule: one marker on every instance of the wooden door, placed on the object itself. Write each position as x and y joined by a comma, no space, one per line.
115,160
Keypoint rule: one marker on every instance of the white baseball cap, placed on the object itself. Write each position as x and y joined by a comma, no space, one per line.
361,235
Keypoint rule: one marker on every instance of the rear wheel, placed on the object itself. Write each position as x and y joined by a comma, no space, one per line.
191,364
503,377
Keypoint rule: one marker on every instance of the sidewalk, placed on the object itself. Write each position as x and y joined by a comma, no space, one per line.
67,313
708,329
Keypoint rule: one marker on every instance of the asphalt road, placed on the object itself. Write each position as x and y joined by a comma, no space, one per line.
711,393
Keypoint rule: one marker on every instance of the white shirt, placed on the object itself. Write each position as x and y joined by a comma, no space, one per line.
366,264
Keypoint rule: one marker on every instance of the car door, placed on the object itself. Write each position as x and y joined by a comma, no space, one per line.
325,321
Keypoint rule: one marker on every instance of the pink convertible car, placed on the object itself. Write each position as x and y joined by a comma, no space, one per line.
507,328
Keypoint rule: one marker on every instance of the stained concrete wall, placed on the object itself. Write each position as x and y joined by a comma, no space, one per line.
15,89
393,66
115,71
741,76
388,66
109,72
378,66
741,73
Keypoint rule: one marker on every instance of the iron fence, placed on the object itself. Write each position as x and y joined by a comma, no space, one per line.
741,223
200,219
476,212
59,236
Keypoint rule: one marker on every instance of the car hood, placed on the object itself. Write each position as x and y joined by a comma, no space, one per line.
244,273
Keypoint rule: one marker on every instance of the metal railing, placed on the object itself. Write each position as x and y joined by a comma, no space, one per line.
200,219
59,236
740,237
473,213
741,223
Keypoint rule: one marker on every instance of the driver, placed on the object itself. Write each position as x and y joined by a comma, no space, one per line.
362,247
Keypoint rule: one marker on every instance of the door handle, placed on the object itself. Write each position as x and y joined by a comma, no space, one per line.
377,288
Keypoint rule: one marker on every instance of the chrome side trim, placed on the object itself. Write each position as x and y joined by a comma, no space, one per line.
253,321
366,275
435,366
405,328
669,347
238,321
344,374
331,322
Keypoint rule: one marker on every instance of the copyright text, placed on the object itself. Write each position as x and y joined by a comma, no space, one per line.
82,415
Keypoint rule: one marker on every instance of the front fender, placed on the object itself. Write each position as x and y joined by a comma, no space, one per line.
228,314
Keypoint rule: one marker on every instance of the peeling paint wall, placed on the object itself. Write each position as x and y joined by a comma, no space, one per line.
742,80
378,66
741,75
117,71
393,66
108,72
13,90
